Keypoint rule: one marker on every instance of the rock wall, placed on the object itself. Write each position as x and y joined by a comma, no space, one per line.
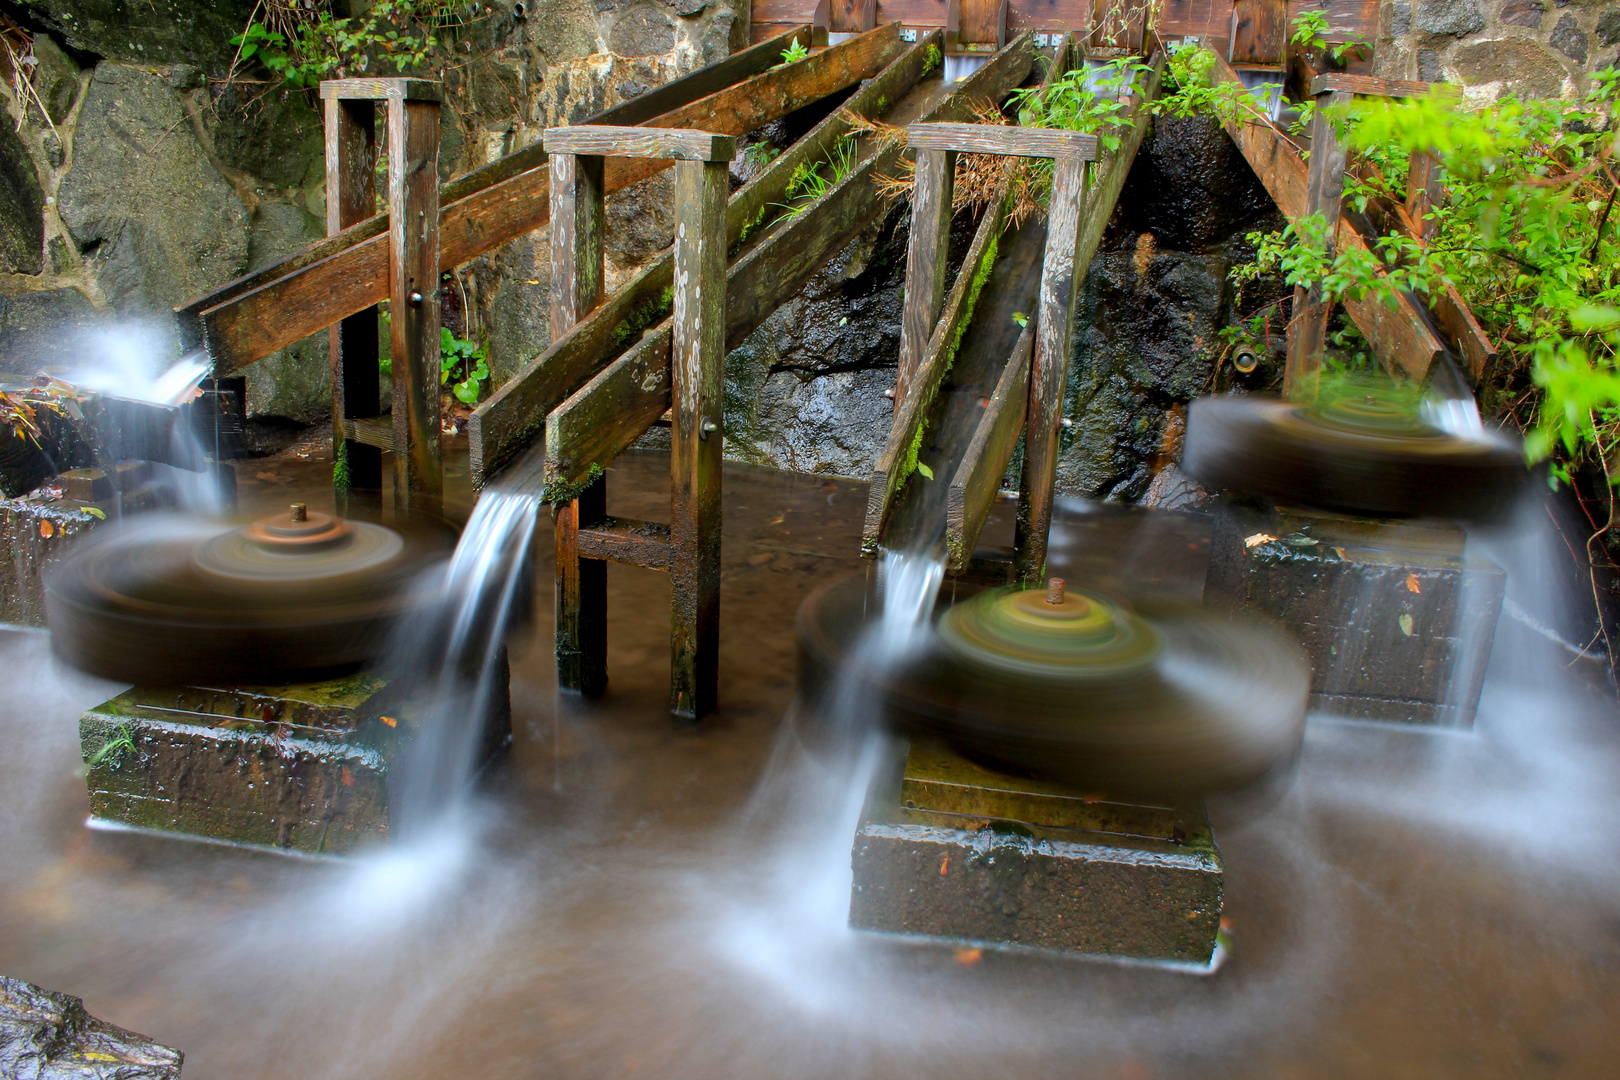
1493,48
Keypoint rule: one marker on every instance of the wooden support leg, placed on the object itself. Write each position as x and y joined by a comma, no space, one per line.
1050,371
1423,193
927,258
1307,330
413,301
351,197
697,361
577,270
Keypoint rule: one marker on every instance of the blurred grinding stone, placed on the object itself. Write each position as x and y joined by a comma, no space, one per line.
1398,623
295,768
46,1036
953,851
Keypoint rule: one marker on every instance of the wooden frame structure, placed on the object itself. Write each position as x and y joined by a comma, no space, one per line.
578,157
413,292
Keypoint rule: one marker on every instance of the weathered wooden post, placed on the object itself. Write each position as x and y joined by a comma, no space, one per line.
577,269
696,390
927,260
413,276
1324,195
351,197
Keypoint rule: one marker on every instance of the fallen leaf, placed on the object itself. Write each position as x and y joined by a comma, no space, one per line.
47,530
347,777
1406,624
1257,539
389,720
968,957
96,512
1412,583
945,866
1339,551
928,474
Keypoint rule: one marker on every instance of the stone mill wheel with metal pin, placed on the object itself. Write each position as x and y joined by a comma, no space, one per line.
299,596
1077,687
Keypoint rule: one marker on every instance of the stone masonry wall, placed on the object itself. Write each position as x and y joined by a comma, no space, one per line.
1529,48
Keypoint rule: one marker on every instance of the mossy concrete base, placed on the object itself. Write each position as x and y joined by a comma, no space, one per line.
953,851
1397,620
297,768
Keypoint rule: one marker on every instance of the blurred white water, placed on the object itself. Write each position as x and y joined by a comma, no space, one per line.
135,360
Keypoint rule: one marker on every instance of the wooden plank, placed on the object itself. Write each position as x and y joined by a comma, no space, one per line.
351,196
973,489
515,413
682,144
708,80
384,89
413,301
1010,141
1342,82
697,412
613,410
1424,192
898,457
370,431
1324,194
1259,32
928,249
627,541
314,289
851,16
1402,337
577,271
983,22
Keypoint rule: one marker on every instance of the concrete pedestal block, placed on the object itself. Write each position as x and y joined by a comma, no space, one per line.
953,851
1397,621
298,768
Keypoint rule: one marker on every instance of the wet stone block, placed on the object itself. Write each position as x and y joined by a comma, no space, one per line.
298,768
1398,623
46,1036
953,851
33,535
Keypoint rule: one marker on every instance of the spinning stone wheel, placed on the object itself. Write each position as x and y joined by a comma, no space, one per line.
1358,454
1079,688
287,599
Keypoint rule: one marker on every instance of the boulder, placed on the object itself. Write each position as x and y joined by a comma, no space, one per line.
1458,18
275,137
158,224
1518,67
22,207
294,383
1568,39
46,1036
644,30
56,78
148,31
43,330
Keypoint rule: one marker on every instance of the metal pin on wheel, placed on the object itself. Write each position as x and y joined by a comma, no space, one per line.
300,512
1054,590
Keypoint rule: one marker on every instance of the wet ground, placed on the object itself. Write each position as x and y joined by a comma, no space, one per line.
637,898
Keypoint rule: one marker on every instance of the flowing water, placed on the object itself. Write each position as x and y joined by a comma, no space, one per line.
630,897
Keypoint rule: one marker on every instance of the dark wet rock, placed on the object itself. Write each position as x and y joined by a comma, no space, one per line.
22,206
1608,27
134,152
1458,18
690,8
187,77
632,89
642,31
276,138
1523,13
1145,338
1191,188
56,78
148,31
1568,39
1429,69
295,382
41,330
47,1036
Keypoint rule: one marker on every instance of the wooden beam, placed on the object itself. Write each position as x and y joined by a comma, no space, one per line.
1342,82
978,479
899,455
372,431
1324,198
254,317
928,249
1405,343
413,301
351,196
707,80
577,272
515,413
697,413
1009,141
625,540
611,411
1259,32
386,89
681,144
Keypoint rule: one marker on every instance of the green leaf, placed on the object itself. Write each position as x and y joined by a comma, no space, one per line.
928,474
